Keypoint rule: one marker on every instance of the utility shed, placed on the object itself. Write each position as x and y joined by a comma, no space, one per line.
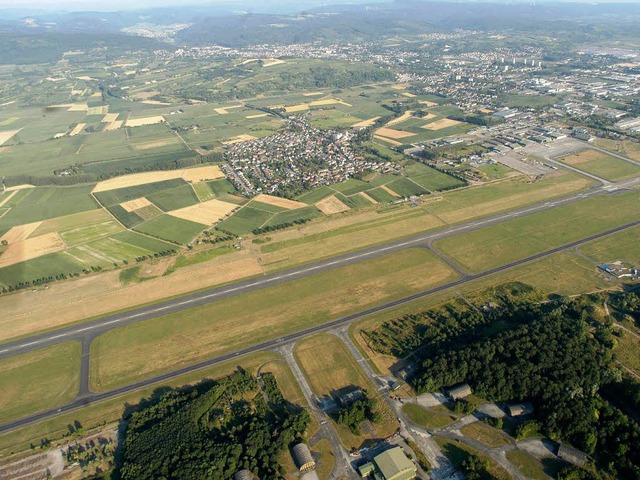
243,475
303,458
572,455
393,464
461,390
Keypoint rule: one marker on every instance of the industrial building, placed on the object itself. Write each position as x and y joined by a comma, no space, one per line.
391,464
303,458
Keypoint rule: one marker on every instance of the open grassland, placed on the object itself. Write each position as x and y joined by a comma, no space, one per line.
602,165
628,351
38,380
122,355
111,411
335,369
342,235
427,418
173,229
458,452
483,433
565,273
500,244
430,178
42,203
467,203
623,246
533,468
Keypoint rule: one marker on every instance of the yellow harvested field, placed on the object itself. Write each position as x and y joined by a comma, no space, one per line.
405,116
224,110
114,125
86,78
365,123
258,115
157,144
279,202
4,136
368,198
190,175
206,213
313,94
329,101
9,121
408,94
331,205
199,174
440,124
401,86
135,204
146,95
272,61
428,103
390,192
19,187
77,130
387,140
110,118
78,107
392,133
31,248
155,102
239,139
139,122
2,202
20,233
101,110
297,108
428,117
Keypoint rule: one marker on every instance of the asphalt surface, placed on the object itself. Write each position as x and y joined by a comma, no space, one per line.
87,398
101,325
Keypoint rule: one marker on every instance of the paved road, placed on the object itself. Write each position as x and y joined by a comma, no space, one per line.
90,398
99,326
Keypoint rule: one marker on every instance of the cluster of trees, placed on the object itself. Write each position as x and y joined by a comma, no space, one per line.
279,226
548,353
44,280
271,388
211,430
475,468
164,253
354,414
482,120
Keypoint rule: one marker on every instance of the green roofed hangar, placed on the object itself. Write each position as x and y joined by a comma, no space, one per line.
391,464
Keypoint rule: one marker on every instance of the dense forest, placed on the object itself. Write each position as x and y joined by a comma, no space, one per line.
520,346
211,431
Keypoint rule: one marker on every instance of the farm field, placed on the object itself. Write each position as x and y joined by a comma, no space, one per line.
111,411
121,355
500,244
602,165
336,369
54,379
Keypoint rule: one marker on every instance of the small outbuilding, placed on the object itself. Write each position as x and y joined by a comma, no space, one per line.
303,458
459,391
520,409
572,455
349,396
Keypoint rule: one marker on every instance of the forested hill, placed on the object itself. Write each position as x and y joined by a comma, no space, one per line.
212,431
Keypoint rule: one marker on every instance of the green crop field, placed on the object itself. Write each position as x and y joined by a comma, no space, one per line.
41,267
265,207
354,201
430,178
120,195
122,355
406,187
351,186
42,203
500,244
306,213
174,198
53,375
173,229
245,220
381,195
315,195
128,219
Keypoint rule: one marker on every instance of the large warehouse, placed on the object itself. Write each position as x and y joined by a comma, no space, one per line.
392,464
